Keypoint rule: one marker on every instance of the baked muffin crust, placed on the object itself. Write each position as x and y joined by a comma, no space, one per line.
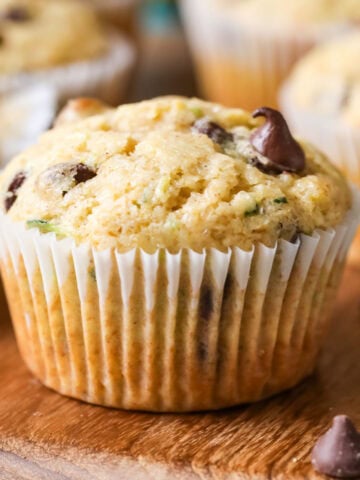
150,178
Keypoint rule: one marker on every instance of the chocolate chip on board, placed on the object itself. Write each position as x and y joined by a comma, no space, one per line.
214,131
274,141
13,188
337,452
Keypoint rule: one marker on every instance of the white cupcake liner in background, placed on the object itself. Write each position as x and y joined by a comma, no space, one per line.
241,64
105,77
24,115
171,332
339,141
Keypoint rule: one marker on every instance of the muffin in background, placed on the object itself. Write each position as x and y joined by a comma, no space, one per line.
172,255
244,49
321,99
61,43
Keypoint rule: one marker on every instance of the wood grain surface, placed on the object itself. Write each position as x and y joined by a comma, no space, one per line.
46,436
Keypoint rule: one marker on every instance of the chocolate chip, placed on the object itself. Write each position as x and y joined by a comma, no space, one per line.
263,167
214,131
16,14
13,188
62,177
83,173
337,453
275,142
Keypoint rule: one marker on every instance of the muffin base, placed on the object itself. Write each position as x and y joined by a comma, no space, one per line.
185,332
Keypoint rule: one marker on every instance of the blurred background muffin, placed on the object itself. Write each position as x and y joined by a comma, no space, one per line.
62,43
243,49
321,100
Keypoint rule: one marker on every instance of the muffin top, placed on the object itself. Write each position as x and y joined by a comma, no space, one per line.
327,80
298,12
173,173
36,34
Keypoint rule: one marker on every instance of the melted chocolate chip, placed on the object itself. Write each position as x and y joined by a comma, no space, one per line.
16,14
214,131
337,453
275,142
13,188
83,173
265,168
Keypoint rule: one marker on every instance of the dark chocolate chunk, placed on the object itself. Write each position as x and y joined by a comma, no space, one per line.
13,188
16,14
62,177
83,173
275,142
337,453
214,131
263,167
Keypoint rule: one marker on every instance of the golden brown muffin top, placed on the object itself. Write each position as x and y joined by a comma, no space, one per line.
173,172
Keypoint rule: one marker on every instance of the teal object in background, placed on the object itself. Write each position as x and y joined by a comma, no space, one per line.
159,15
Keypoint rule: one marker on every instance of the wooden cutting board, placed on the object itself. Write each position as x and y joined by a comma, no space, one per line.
46,436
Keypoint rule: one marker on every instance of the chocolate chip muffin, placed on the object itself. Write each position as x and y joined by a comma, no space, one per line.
168,253
244,50
60,42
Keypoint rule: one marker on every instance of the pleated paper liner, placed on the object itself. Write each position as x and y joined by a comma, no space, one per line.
339,141
171,332
106,77
243,65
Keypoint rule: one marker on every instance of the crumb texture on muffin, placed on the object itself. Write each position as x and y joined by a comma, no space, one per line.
168,173
36,34
327,80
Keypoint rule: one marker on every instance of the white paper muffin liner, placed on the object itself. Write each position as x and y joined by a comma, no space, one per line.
105,77
171,332
243,65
